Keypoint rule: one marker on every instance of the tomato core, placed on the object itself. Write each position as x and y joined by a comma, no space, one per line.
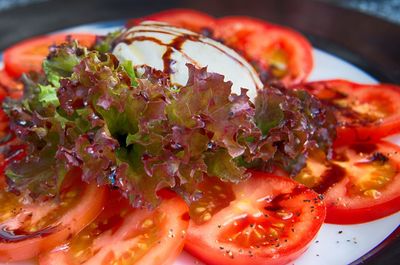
278,60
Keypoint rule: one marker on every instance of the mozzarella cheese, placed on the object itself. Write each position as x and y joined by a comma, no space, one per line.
169,49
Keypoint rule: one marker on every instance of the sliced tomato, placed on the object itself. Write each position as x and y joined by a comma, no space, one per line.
234,31
278,53
9,86
28,55
364,112
123,235
185,18
360,184
28,228
265,220
3,89
4,124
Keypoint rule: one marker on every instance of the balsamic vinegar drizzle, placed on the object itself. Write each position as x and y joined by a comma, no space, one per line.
275,203
331,176
335,173
176,44
7,236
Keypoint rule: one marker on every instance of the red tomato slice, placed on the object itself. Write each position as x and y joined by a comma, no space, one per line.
3,89
122,235
28,228
185,18
278,53
4,122
28,55
365,112
9,86
360,184
233,31
265,220
4,126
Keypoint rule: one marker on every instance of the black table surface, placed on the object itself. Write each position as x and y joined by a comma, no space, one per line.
367,42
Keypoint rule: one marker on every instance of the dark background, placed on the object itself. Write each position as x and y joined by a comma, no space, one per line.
368,42
385,9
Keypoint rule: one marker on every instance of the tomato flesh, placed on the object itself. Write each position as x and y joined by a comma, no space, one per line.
268,220
123,235
31,227
28,55
365,112
3,89
360,184
185,18
233,31
278,53
4,125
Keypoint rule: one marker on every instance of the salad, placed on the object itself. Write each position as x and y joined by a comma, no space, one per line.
185,131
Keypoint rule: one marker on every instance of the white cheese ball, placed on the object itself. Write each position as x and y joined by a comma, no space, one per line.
169,49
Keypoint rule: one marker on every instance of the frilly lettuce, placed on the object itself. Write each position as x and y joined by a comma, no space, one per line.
139,133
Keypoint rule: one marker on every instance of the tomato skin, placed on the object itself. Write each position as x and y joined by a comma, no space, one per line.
214,256
343,215
3,89
28,55
360,129
168,246
205,242
71,223
265,44
9,86
186,18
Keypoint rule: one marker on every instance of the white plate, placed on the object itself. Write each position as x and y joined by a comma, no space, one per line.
334,244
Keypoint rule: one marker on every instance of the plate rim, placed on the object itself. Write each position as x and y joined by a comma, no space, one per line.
342,49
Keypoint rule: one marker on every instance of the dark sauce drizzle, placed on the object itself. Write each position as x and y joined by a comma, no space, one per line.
17,235
356,119
275,203
336,173
176,44
331,176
